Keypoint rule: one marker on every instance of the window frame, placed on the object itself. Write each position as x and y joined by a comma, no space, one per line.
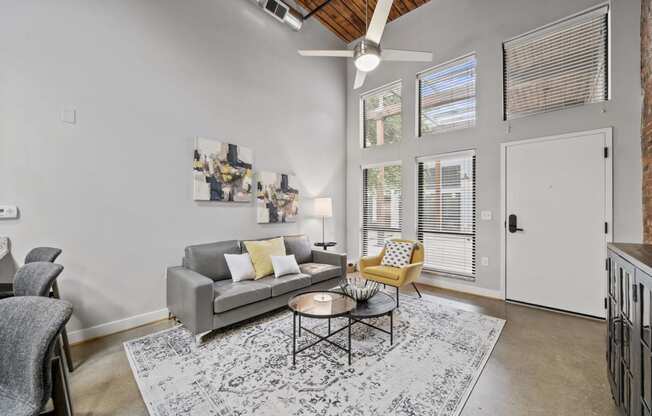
441,156
362,198
361,113
575,16
417,96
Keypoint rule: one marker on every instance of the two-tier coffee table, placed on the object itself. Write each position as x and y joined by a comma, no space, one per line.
335,304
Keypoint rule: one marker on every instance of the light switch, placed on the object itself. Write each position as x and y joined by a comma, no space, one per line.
485,261
69,116
485,215
8,212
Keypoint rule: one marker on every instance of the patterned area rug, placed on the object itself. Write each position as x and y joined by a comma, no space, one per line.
437,356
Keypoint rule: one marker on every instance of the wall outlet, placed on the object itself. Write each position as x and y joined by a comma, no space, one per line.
485,261
485,215
69,115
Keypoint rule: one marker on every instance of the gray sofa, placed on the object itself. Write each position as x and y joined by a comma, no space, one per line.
202,296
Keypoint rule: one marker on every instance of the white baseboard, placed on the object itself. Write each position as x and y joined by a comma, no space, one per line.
109,328
450,284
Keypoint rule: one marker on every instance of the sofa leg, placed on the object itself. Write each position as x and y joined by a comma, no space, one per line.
417,289
198,338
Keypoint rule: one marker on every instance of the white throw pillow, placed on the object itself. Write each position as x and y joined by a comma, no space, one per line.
397,254
285,265
240,267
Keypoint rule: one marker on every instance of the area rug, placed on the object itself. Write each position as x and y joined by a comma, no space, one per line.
438,354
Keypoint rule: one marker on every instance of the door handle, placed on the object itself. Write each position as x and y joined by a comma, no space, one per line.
512,224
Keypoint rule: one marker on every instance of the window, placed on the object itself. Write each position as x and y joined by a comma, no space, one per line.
447,96
561,65
381,207
381,115
446,212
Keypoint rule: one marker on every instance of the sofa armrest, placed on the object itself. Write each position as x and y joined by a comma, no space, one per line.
410,273
329,257
190,299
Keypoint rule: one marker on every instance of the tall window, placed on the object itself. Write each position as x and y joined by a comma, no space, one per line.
381,115
447,96
446,212
561,65
381,207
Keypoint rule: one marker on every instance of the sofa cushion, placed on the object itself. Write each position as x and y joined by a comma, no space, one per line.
208,259
319,272
383,271
230,295
285,284
261,254
299,245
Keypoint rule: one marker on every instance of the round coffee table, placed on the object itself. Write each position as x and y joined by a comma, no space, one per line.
320,305
381,304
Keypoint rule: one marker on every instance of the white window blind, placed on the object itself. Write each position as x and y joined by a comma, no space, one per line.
381,115
381,207
446,212
562,65
447,96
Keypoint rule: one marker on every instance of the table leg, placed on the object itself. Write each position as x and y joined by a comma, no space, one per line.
349,340
299,325
391,328
329,326
294,338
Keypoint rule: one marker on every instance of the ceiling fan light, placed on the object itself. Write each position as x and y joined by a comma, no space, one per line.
367,62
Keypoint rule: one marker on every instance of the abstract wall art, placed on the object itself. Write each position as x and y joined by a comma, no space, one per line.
222,171
277,198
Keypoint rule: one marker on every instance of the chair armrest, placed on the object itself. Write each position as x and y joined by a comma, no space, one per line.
330,257
190,298
368,262
410,273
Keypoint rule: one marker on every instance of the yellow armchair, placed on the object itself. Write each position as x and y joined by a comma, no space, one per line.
372,269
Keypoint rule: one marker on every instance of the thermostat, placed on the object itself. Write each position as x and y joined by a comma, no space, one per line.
8,211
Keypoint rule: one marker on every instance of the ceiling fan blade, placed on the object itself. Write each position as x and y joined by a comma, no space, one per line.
401,55
359,79
345,53
379,20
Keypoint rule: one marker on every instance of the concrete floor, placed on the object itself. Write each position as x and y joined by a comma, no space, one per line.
544,364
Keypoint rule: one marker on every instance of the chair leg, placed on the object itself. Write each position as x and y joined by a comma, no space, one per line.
417,289
397,297
64,333
61,398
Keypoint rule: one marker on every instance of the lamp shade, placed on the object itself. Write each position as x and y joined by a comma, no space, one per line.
324,207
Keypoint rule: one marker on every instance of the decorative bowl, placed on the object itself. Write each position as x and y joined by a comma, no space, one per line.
358,288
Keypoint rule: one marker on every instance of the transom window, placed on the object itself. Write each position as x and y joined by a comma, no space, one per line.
381,115
446,95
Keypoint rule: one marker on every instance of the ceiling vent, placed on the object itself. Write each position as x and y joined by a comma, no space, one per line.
282,12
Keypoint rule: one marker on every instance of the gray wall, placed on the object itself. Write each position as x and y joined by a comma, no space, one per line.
451,28
146,76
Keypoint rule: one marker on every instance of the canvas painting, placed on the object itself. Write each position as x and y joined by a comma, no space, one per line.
222,171
277,198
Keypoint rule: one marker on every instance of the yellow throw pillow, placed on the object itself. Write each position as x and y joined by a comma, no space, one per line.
261,253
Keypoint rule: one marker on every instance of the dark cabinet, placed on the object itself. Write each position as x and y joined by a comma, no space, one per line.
629,340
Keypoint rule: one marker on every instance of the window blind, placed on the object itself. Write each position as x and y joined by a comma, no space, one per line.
381,207
561,65
381,115
446,212
446,96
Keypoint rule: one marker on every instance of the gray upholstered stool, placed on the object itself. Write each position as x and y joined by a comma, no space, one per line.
37,278
29,334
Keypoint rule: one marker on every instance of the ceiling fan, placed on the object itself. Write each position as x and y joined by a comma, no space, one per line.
367,53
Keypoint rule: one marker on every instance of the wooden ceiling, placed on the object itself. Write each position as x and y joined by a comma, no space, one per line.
346,18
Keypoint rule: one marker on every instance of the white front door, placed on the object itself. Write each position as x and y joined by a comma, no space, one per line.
557,195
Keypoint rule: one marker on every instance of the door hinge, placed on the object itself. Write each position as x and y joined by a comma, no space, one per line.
606,152
606,227
605,303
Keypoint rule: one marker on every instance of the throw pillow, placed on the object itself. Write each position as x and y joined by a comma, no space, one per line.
240,266
261,254
397,253
285,265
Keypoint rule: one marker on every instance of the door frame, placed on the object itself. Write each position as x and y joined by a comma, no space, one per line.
608,135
